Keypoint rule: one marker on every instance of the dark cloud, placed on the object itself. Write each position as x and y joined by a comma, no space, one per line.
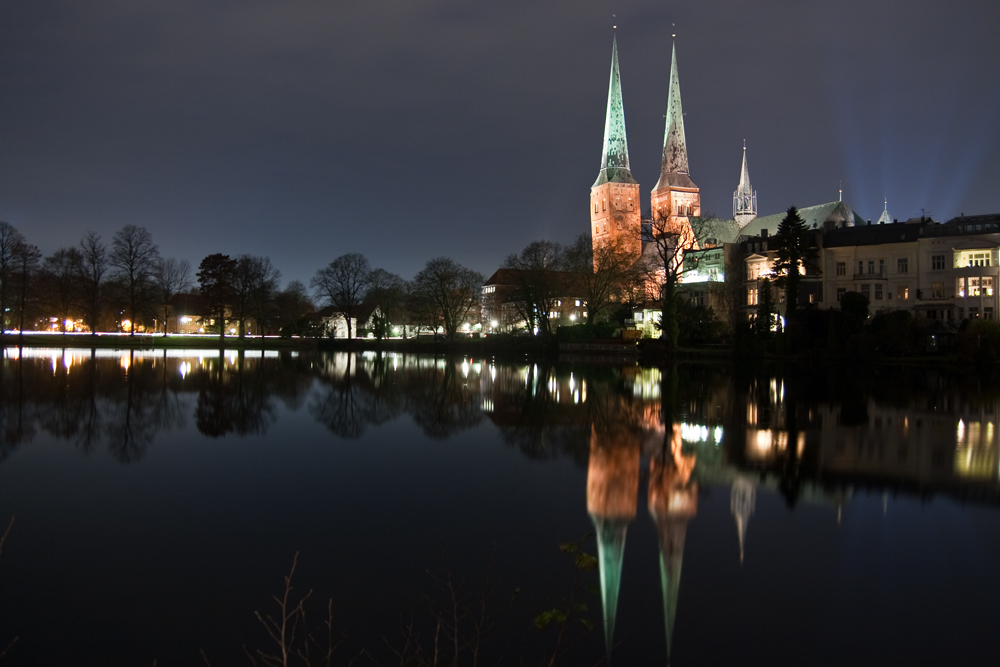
407,130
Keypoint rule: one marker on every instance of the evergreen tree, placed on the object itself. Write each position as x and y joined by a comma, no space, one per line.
793,255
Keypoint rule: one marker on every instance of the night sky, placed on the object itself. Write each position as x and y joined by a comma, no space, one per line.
303,130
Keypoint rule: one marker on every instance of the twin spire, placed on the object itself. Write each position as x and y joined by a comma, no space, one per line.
614,159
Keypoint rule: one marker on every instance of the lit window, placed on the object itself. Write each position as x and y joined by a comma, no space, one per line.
902,292
937,289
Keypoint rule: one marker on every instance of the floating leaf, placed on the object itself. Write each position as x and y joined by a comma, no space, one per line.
586,562
558,615
587,624
543,619
568,547
580,606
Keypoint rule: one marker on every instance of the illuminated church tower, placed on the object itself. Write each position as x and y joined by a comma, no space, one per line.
675,197
744,199
614,197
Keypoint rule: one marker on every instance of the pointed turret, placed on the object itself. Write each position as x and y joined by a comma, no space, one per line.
614,159
885,218
744,199
614,196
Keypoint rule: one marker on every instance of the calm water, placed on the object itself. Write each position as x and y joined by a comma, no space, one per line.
776,518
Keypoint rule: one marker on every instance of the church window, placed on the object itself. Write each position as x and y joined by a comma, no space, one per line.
902,265
841,268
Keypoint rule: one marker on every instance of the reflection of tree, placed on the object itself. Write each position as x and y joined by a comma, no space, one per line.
235,402
131,423
15,428
344,406
440,403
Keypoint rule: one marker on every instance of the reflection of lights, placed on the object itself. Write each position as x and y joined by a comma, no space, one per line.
465,369
572,383
960,436
487,405
493,372
185,368
717,434
124,362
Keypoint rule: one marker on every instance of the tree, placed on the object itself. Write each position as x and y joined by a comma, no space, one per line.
170,278
255,281
388,293
215,282
133,256
541,279
93,265
59,283
606,272
10,239
449,292
669,241
763,323
793,256
25,265
343,284
291,306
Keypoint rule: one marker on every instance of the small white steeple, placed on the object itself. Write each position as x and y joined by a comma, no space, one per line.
744,199
885,218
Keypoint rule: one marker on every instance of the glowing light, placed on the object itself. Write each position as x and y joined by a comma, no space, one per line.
126,325
185,320
185,368
465,369
494,324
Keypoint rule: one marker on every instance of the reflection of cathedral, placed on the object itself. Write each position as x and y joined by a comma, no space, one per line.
612,496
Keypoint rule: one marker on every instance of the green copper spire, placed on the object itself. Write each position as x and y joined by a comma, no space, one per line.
614,160
674,165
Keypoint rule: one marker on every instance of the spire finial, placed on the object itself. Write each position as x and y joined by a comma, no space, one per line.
614,27
840,196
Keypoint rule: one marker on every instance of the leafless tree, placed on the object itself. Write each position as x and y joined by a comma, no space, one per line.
255,282
388,292
607,272
133,256
343,284
59,284
449,291
93,265
541,279
670,239
170,278
25,264
10,239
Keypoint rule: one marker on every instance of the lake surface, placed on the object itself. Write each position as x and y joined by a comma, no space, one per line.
692,513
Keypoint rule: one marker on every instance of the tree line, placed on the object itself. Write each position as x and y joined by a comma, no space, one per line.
127,285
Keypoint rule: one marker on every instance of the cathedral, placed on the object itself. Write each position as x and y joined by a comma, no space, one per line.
615,209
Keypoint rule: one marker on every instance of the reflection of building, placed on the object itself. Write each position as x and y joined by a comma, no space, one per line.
673,502
742,499
612,493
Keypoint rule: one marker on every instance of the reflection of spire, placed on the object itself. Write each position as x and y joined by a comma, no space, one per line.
673,501
612,493
741,502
